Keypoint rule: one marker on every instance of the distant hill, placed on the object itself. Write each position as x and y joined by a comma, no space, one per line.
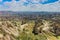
11,13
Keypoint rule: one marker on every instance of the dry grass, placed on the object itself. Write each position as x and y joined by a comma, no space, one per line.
13,30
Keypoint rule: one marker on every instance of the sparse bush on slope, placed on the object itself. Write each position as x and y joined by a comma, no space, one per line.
15,30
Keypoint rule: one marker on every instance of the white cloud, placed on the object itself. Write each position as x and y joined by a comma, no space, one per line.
18,6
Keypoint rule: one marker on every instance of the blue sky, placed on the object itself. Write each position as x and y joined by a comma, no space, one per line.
30,5
9,0
30,1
